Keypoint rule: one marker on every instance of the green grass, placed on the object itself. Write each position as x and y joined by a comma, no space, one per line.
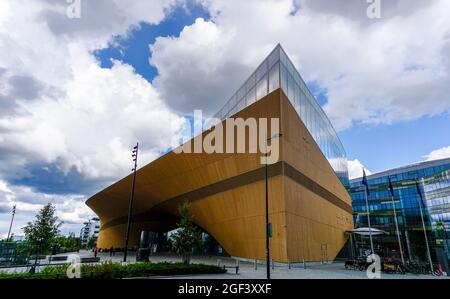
114,270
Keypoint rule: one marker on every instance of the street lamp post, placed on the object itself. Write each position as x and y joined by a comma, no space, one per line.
130,207
267,208
12,220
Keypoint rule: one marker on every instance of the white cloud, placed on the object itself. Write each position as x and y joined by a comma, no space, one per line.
76,115
374,71
70,209
355,169
59,107
85,117
441,153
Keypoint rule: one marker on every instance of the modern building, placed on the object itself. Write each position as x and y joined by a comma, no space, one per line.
309,207
90,229
433,179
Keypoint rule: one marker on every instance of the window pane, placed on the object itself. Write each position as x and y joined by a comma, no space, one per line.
290,88
274,78
250,83
261,88
261,71
251,96
274,57
284,79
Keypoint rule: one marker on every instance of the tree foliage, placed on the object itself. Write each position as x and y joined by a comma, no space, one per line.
92,242
188,235
42,232
68,243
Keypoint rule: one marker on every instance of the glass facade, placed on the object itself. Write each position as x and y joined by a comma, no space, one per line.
434,182
277,71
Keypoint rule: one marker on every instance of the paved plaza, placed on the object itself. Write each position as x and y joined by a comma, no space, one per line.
247,270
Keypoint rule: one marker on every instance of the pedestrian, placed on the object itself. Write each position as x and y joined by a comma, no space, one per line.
111,251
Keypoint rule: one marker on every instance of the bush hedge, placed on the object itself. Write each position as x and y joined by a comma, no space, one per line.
111,270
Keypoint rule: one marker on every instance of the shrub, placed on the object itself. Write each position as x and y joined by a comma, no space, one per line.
111,270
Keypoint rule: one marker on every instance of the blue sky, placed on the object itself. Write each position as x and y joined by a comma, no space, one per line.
69,116
134,49
378,147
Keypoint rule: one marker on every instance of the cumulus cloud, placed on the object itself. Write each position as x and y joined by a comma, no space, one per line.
441,153
372,70
355,169
61,110
69,208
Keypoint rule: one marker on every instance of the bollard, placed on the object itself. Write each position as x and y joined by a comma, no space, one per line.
273,266
289,264
304,264
256,265
237,266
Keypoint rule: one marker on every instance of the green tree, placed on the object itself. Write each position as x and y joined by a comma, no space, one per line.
187,236
42,232
68,243
92,242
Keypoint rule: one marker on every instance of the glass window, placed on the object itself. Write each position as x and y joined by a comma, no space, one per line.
274,78
302,107
290,87
261,88
283,58
284,79
261,71
242,92
250,84
274,57
297,100
251,96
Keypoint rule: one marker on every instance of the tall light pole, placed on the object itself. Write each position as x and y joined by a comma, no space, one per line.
130,207
421,199
267,208
12,220
391,190
366,193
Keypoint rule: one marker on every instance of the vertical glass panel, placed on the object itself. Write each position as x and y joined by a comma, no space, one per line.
274,57
297,99
261,88
242,92
250,84
243,102
290,87
261,71
283,58
233,100
284,79
251,96
274,77
308,116
302,106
